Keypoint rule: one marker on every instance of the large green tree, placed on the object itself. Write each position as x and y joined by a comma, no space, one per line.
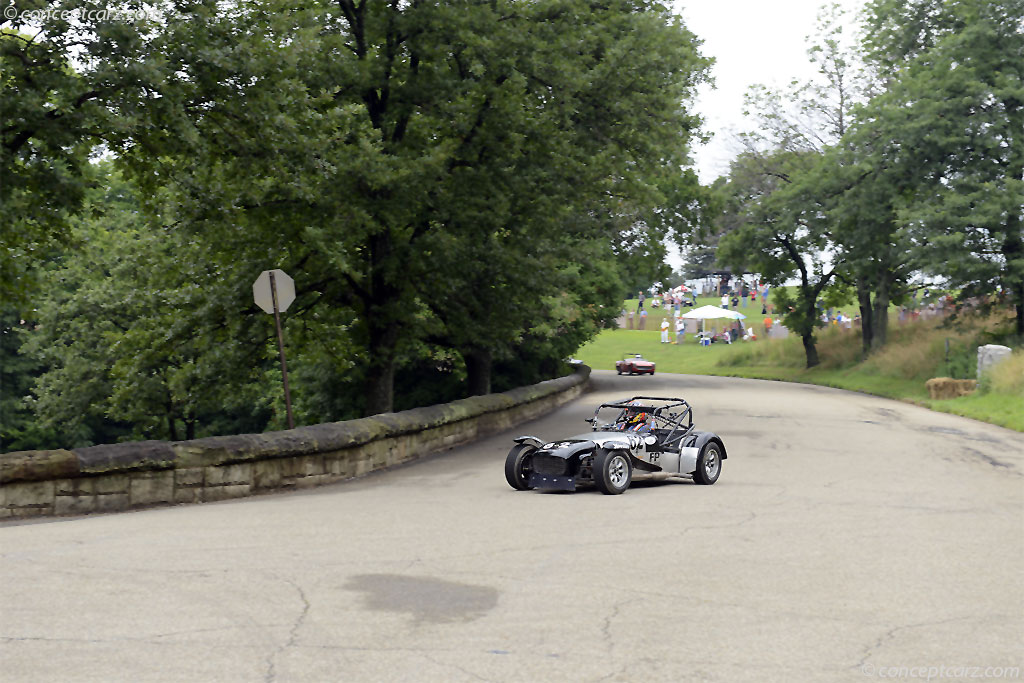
67,71
408,164
401,121
140,335
949,132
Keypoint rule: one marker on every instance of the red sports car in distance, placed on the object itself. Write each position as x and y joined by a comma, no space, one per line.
636,365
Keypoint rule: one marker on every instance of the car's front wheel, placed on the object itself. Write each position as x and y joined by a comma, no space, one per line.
612,471
518,466
709,464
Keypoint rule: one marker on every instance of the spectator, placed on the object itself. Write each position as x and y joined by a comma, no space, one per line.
680,330
725,301
664,330
643,319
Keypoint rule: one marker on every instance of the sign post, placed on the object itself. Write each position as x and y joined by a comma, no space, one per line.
274,292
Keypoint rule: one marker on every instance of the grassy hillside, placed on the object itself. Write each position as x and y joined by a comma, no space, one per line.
917,351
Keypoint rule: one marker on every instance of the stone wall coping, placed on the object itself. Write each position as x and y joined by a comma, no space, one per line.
135,456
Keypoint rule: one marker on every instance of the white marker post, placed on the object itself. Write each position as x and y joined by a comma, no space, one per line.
274,292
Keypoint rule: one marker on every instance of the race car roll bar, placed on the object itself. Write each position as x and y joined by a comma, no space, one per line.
673,420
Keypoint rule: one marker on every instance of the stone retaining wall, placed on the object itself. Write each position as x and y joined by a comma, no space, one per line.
140,474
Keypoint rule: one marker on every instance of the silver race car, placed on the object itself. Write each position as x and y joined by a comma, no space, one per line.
645,433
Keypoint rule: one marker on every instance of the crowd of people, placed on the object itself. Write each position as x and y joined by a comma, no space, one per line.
737,293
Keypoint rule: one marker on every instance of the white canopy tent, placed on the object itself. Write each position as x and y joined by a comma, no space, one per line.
705,312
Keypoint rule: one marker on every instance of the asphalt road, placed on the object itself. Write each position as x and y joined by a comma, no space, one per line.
849,538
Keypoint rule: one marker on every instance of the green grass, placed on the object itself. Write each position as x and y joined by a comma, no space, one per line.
994,408
916,352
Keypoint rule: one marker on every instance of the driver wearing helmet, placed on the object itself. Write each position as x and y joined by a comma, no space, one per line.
635,421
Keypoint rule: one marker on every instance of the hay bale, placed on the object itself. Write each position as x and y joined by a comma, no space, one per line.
945,387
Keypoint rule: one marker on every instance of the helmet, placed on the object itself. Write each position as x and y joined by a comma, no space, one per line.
634,421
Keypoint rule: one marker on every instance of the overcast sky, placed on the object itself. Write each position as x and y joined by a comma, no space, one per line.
752,41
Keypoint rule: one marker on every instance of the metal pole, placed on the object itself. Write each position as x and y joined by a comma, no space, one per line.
280,348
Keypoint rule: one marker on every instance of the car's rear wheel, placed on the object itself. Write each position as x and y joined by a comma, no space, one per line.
709,464
518,466
612,471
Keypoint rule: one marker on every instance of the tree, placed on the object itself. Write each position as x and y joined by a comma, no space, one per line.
860,194
136,334
404,121
952,123
774,226
59,81
778,218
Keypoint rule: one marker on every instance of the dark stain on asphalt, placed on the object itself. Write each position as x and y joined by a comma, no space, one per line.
956,432
988,459
424,598
887,414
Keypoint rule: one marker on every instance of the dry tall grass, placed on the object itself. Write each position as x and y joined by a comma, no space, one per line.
916,350
1007,377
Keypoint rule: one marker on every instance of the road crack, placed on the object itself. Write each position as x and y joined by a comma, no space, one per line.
293,633
889,635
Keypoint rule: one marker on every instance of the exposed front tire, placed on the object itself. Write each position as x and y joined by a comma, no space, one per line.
612,471
518,465
709,464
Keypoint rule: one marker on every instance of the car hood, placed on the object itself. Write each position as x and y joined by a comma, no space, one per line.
575,445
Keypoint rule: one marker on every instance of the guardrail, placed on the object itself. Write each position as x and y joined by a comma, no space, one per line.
140,474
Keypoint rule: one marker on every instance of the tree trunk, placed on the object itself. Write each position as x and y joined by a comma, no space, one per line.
478,371
383,326
867,329
1013,245
807,331
1013,251
880,314
380,371
810,350
1020,311
380,385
